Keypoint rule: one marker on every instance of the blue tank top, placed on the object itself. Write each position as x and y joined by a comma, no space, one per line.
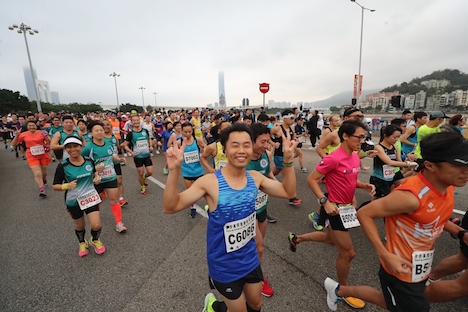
231,251
413,139
191,166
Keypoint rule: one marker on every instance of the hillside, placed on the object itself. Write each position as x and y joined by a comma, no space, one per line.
457,78
340,99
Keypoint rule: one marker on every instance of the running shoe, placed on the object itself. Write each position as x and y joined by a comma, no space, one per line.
83,251
119,227
158,152
267,291
354,302
165,171
44,180
6,146
209,300
123,202
145,181
303,169
17,155
143,190
292,238
122,163
103,194
24,157
332,298
11,149
53,159
295,201
314,217
271,219
98,246
193,212
42,193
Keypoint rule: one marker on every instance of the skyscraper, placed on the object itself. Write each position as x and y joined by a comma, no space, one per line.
29,83
222,93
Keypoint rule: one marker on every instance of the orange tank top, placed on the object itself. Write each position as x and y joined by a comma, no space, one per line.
413,236
115,128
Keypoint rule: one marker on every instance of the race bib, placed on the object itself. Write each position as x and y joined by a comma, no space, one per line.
142,144
37,150
115,130
191,157
422,262
222,164
238,233
262,199
348,216
388,171
89,199
107,172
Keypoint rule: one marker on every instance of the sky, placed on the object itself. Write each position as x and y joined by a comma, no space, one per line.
307,50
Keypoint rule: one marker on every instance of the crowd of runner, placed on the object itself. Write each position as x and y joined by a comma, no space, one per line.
417,163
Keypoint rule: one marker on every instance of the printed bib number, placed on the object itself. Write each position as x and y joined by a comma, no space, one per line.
422,262
107,172
115,130
348,216
89,199
142,145
37,150
191,157
388,171
238,233
222,164
262,199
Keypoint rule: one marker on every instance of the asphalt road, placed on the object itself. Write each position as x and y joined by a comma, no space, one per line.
160,263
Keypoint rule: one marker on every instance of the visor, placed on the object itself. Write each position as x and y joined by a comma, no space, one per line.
72,139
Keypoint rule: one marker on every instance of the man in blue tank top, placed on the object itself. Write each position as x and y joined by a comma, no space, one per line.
233,263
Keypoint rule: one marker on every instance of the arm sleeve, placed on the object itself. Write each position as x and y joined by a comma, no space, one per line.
129,137
59,176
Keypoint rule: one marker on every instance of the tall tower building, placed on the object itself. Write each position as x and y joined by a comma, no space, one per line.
222,93
29,83
42,87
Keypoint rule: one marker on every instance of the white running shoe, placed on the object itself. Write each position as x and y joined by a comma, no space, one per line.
332,299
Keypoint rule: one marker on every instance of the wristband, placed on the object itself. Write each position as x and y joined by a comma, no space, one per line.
64,186
461,234
288,164
407,164
366,154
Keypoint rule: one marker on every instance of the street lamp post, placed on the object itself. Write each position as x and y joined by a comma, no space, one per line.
23,29
115,75
155,100
360,47
142,97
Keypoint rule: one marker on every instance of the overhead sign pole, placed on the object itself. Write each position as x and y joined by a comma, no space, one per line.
264,88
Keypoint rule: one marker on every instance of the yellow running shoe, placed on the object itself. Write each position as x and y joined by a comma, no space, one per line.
354,302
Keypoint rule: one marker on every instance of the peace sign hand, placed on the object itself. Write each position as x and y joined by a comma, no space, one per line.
175,155
289,147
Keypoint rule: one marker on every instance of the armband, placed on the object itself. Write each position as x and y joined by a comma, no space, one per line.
64,186
461,234
288,164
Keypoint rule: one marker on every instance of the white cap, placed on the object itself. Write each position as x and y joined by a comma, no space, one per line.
72,139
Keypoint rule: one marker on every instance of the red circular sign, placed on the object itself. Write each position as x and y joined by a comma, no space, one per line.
264,87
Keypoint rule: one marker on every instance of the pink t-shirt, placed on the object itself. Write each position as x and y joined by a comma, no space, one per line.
341,170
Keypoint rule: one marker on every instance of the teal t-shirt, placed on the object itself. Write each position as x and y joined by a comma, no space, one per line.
53,130
113,142
84,174
101,154
261,165
140,143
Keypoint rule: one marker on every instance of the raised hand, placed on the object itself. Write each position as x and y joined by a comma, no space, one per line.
289,147
175,155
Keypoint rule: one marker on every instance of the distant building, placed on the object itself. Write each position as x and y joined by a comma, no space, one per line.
420,100
55,97
42,86
435,83
222,92
44,91
409,101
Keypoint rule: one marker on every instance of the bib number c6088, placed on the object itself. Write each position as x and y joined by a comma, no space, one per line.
238,233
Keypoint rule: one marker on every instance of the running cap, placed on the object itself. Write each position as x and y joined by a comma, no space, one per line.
289,116
350,111
437,114
133,111
457,154
158,114
72,139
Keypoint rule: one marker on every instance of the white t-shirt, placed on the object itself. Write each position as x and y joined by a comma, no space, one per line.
320,122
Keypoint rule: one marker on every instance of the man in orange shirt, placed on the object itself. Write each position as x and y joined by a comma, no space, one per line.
415,215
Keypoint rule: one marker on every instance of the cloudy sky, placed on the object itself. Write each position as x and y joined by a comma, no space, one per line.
307,50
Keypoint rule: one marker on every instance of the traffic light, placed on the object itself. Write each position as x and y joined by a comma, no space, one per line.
396,101
353,101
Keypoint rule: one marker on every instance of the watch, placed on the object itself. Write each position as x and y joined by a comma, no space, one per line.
461,234
323,200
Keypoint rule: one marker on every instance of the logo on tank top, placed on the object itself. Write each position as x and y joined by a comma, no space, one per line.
143,133
263,163
88,168
109,151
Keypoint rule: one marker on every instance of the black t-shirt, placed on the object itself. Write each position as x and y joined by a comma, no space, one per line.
214,132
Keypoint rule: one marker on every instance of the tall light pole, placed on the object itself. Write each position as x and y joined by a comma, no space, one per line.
142,97
155,100
23,29
360,47
115,75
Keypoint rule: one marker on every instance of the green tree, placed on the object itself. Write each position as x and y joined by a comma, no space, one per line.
335,109
13,102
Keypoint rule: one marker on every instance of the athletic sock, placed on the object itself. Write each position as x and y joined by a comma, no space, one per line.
219,306
80,235
95,234
249,309
117,212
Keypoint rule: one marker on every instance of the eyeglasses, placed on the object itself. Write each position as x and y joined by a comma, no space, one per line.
360,137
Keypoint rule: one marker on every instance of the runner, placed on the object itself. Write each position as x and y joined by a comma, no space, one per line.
342,169
36,153
110,138
165,136
430,127
149,126
260,162
141,152
56,143
101,152
54,128
196,123
159,128
233,265
77,177
425,203
216,151
301,136
409,139
83,131
279,133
